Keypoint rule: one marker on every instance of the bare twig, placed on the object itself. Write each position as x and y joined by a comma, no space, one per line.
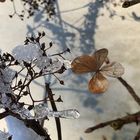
117,123
4,114
128,3
57,120
130,90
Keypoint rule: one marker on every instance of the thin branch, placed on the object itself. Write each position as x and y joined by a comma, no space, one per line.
130,90
117,123
4,114
100,125
128,3
57,120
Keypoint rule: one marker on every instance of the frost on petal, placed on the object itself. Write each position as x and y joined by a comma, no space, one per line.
4,88
8,75
113,69
26,52
42,110
4,136
5,100
43,62
53,66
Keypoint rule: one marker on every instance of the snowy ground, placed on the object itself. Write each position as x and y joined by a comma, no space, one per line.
78,27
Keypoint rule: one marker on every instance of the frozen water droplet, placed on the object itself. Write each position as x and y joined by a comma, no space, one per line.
42,110
70,114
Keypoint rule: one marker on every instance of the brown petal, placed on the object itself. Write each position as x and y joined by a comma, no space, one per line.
84,64
100,56
98,84
113,69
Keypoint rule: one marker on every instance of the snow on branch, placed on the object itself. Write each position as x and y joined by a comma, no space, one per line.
33,59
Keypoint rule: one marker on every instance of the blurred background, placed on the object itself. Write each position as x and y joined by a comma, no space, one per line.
84,26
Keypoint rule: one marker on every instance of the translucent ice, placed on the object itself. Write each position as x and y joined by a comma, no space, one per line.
42,110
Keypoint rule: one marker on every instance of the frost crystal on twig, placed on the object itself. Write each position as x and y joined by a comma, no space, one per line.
42,110
23,112
32,53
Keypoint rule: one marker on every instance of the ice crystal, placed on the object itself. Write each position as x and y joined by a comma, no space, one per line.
52,67
6,77
33,53
42,110
23,112
67,64
29,52
5,100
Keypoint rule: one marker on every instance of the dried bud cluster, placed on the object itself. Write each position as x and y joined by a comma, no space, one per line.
31,7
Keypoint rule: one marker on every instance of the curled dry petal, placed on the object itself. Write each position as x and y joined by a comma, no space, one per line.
86,63
113,69
98,83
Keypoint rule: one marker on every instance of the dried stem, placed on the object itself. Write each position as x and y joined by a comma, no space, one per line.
57,120
117,123
128,3
130,90
4,114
